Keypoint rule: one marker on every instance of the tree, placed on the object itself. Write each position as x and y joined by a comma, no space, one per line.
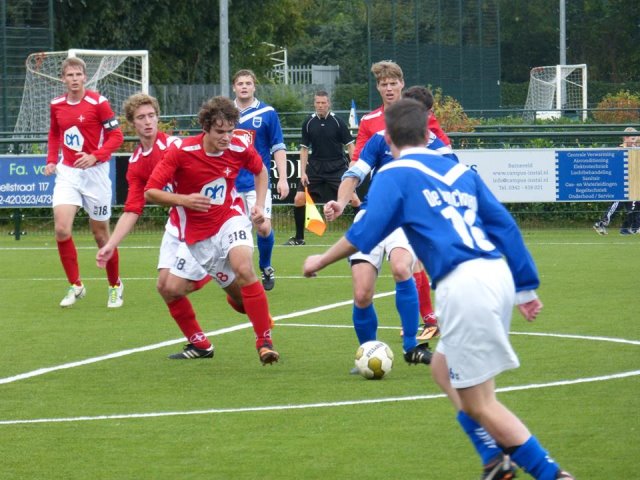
182,37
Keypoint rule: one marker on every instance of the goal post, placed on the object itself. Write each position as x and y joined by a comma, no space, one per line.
556,90
116,74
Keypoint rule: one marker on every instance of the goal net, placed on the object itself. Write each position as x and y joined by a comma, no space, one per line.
116,74
556,90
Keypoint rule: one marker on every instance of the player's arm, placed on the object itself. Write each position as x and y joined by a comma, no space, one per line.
334,208
280,159
125,224
53,144
193,201
341,249
304,160
261,182
113,139
163,173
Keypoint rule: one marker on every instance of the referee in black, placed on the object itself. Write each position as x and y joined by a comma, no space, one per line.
322,159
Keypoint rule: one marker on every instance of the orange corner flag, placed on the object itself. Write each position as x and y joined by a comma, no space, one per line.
313,220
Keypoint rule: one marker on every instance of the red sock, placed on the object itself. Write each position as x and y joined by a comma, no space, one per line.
255,303
235,306
198,284
69,258
424,293
113,269
182,312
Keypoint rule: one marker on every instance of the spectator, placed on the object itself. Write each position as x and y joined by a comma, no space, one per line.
631,222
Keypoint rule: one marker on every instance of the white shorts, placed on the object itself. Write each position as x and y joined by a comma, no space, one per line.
212,253
396,239
175,256
89,189
474,304
249,200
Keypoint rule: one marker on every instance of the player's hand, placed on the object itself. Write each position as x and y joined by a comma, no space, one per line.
196,201
50,169
84,160
531,309
283,188
104,255
257,215
332,210
311,266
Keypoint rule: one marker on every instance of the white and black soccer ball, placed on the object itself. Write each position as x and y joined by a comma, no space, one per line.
374,360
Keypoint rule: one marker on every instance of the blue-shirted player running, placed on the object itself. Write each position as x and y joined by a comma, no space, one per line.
260,125
461,232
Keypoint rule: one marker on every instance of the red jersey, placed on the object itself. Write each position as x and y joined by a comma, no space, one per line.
141,164
374,122
89,126
193,170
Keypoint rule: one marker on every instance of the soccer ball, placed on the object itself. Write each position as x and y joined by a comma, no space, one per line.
374,360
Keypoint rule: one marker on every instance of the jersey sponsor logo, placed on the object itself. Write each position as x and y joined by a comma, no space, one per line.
247,136
215,190
73,139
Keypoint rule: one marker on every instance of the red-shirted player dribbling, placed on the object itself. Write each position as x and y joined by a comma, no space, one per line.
85,129
178,272
216,229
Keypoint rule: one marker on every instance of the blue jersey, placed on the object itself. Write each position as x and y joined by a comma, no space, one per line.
377,153
448,214
260,125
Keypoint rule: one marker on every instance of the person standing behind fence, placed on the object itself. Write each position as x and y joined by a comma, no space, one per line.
631,222
85,129
260,125
326,135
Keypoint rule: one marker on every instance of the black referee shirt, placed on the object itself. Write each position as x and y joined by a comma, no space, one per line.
325,138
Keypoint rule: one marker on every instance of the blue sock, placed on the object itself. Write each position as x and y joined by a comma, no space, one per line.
365,322
484,443
409,310
265,248
531,457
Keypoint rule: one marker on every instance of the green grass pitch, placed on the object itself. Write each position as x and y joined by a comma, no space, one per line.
87,392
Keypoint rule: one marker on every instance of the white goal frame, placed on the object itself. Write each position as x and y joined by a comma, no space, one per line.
114,73
555,89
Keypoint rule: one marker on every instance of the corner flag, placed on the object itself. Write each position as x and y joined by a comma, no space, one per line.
313,220
353,118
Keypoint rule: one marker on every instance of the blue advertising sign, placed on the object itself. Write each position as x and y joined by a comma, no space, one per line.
591,175
24,184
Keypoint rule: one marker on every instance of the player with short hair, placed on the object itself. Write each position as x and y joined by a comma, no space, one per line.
260,125
480,268
84,129
215,228
389,83
322,160
178,272
395,248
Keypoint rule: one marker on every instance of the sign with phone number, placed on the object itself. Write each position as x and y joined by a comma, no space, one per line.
24,184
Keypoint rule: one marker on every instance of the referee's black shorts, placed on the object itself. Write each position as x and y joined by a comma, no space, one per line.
323,189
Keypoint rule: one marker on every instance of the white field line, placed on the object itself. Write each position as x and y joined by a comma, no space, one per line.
305,406
155,346
122,353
